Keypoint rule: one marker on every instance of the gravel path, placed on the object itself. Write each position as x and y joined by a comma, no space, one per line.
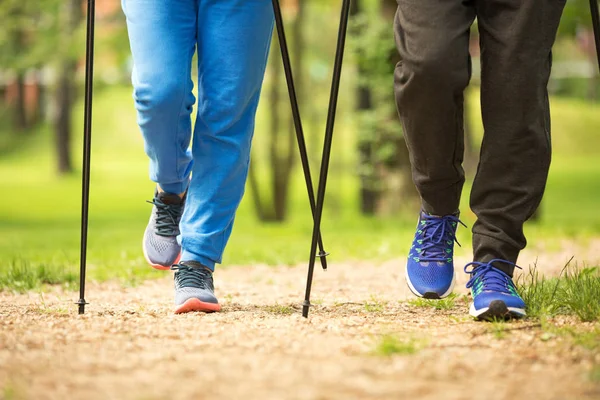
129,345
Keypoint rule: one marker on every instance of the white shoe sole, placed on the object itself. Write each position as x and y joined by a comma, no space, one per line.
497,309
427,294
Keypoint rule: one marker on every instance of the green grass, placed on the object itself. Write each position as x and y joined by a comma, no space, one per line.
498,328
280,309
390,345
21,275
541,294
588,339
446,303
575,292
40,214
375,305
39,222
583,336
569,207
581,293
10,392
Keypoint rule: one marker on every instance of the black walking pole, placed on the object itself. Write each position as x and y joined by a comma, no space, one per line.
289,77
87,138
335,86
596,25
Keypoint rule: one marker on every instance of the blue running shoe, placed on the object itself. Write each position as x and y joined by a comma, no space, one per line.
430,267
194,288
494,293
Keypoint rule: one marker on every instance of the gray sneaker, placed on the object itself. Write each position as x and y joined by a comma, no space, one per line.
194,288
160,246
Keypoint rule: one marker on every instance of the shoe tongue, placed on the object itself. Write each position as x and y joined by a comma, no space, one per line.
194,264
169,198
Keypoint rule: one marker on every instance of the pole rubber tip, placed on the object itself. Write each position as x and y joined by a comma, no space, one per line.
323,256
81,304
305,308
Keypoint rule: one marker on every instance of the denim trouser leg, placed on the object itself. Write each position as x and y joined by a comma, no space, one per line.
233,39
163,40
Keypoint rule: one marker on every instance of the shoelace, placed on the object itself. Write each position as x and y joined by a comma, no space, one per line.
167,217
186,276
491,277
439,234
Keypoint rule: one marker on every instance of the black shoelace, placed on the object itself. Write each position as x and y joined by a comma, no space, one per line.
186,276
167,217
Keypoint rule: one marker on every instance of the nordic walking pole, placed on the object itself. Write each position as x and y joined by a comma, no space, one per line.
335,87
289,77
596,25
87,138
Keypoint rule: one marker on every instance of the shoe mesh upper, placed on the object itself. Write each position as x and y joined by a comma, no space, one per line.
430,267
160,238
193,282
489,283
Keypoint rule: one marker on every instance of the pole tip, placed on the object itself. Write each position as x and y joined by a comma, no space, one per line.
81,304
305,308
323,256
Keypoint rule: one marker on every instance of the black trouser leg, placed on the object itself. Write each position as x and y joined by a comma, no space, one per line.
516,41
432,37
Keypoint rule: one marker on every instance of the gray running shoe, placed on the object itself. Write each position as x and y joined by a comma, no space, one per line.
160,246
194,288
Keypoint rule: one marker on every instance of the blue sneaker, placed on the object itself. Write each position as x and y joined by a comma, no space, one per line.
494,293
194,288
430,266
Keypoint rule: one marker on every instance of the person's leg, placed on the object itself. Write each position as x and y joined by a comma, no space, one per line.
233,44
432,37
516,42
163,40
162,36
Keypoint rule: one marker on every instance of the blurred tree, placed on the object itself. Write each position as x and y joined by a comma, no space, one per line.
13,39
369,192
281,147
71,15
27,42
282,141
576,23
20,114
386,184
576,15
40,35
48,36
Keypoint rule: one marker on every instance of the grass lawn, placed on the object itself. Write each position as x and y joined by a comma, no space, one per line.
39,217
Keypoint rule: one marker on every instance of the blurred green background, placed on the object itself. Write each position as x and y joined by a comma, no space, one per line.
371,205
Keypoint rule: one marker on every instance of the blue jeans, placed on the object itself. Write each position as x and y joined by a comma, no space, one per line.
232,38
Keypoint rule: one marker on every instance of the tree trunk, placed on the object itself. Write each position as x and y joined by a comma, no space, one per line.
65,91
297,48
37,114
283,144
255,193
274,99
20,116
402,193
62,126
369,196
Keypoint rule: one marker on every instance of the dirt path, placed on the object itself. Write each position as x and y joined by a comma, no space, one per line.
130,346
